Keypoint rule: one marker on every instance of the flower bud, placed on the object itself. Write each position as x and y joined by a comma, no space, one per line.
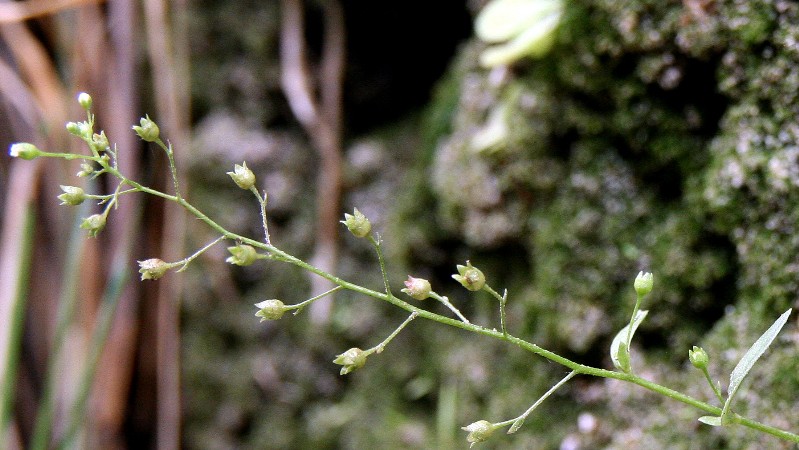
85,101
479,431
417,288
698,357
72,195
152,269
73,128
470,277
86,169
100,142
643,283
270,310
147,130
352,359
242,176
24,150
242,255
80,129
357,223
94,223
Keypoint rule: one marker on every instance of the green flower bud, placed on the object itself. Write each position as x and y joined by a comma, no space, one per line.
417,288
74,129
86,169
24,150
94,223
242,176
270,310
152,269
242,255
85,101
72,195
698,357
147,130
479,431
643,283
357,223
100,142
470,277
352,359
80,129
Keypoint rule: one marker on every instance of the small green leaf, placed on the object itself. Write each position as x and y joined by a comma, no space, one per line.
713,421
748,361
516,425
619,344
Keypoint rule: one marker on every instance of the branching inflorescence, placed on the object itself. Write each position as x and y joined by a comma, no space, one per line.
102,159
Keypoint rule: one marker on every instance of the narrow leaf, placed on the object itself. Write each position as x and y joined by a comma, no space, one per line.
750,358
516,425
713,421
619,344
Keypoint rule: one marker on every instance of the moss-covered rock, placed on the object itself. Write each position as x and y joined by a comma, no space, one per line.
657,136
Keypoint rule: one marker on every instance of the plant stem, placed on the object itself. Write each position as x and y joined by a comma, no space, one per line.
443,299
379,347
517,422
381,261
279,255
299,306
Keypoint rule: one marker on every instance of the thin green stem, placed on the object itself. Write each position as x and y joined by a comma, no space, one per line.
262,201
185,261
638,300
70,156
279,255
518,421
381,261
712,385
445,300
172,167
502,300
379,347
299,306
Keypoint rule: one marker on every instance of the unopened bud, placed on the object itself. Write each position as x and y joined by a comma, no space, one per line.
470,277
417,288
94,223
100,142
85,101
72,195
479,431
352,359
242,255
147,130
86,169
152,269
643,283
357,223
698,357
24,150
242,176
270,310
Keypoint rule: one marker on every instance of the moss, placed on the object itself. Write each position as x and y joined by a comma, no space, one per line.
662,137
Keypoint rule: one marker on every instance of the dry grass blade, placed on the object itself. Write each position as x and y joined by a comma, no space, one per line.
20,11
